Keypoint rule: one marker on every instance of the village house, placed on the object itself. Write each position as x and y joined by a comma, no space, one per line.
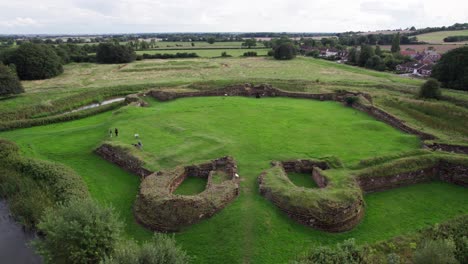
423,65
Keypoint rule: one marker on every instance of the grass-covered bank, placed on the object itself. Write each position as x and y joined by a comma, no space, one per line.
254,132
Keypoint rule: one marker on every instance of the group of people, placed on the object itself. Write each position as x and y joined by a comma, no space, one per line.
137,136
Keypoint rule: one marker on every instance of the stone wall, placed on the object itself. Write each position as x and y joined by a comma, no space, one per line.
381,183
453,173
123,159
448,148
157,208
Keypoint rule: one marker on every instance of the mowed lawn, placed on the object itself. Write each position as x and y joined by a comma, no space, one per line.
207,53
254,132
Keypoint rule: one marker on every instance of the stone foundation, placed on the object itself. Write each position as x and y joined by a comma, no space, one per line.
158,209
123,159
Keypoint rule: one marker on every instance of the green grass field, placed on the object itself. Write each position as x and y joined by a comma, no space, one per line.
438,37
208,53
254,132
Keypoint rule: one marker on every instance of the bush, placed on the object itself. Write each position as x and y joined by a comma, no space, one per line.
250,54
36,62
225,55
435,252
80,231
9,82
114,53
430,89
160,250
346,252
285,51
452,69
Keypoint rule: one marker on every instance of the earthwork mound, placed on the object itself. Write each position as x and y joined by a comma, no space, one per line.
159,209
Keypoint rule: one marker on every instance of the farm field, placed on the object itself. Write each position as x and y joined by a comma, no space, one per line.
440,48
438,37
207,53
251,229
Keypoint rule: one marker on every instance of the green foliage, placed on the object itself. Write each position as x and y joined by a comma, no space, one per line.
285,52
430,89
80,231
452,69
376,63
162,249
365,54
456,38
378,51
396,43
346,252
9,82
435,252
211,40
249,43
250,54
350,100
36,61
114,53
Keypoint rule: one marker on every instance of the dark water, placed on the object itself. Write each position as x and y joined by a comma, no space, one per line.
13,240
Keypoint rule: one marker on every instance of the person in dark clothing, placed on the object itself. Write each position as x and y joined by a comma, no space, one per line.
257,95
116,132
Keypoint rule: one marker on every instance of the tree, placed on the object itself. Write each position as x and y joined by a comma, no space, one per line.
430,89
161,249
9,81
366,53
378,51
211,40
114,53
80,231
36,62
396,43
452,69
249,43
285,52
353,56
376,63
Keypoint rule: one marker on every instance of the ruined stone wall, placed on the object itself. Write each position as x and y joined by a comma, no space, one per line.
379,183
448,148
303,166
319,179
331,216
453,173
122,159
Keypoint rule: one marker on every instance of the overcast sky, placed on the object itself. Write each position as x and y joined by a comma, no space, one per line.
130,16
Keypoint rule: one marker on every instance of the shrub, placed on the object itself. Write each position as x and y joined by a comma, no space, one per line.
225,55
80,231
114,53
435,252
346,252
452,69
160,250
250,54
9,82
285,51
430,89
36,61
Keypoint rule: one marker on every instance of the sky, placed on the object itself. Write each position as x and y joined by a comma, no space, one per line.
140,16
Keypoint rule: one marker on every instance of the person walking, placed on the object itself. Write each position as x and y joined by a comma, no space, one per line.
110,132
116,131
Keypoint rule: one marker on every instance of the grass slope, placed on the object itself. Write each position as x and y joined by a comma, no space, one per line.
254,132
438,37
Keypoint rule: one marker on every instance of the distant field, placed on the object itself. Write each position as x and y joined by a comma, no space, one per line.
209,53
438,37
441,48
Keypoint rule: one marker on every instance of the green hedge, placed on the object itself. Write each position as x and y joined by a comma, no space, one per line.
32,185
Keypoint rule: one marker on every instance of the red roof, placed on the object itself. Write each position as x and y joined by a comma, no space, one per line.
407,52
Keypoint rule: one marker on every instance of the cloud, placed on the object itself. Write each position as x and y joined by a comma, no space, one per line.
20,22
122,16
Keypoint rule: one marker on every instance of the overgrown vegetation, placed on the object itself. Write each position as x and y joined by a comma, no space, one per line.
114,53
430,89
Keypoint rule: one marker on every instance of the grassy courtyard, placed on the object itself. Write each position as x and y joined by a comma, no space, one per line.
254,132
